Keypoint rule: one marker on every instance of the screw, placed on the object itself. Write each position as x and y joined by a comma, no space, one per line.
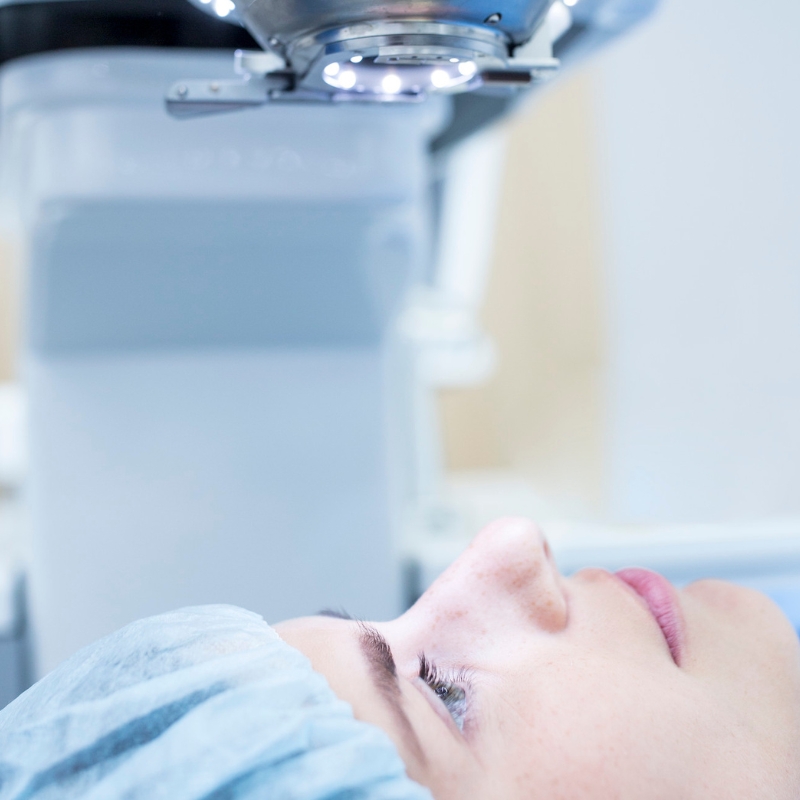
214,86
183,91
493,19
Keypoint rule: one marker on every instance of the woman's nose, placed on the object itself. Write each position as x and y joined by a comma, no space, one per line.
508,569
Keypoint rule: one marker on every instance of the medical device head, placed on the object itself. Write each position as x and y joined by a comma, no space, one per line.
371,50
404,50
400,49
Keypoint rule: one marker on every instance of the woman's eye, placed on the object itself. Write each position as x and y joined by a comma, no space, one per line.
452,695
455,701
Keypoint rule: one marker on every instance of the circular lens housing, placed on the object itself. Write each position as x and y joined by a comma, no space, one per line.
398,76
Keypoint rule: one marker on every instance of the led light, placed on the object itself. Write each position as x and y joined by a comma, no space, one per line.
411,77
440,79
391,83
223,7
347,79
570,2
559,19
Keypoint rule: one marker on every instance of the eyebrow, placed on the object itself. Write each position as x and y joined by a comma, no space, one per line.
383,671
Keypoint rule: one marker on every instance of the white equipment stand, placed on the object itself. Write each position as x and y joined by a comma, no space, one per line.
215,389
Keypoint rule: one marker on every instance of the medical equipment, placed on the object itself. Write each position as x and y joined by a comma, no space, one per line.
366,51
234,321
357,52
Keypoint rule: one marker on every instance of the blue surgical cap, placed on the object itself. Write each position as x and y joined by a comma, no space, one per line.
203,703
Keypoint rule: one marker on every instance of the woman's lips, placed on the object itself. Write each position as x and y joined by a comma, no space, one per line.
661,599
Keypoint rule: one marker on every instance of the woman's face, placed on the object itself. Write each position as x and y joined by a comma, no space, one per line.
506,680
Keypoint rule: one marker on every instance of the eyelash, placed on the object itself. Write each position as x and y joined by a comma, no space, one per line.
452,689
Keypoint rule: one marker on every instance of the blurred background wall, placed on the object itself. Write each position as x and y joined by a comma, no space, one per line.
700,126
645,290
542,414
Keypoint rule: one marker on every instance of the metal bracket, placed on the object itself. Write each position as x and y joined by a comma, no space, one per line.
190,98
520,73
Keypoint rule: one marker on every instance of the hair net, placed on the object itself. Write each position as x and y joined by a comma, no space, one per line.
205,702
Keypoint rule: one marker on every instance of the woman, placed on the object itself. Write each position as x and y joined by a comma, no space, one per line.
505,680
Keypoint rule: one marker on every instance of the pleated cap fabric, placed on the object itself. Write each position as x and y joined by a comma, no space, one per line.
204,703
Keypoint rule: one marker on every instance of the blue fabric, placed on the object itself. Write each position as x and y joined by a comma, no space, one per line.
204,703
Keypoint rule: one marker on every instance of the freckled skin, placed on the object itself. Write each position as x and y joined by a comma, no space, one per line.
575,692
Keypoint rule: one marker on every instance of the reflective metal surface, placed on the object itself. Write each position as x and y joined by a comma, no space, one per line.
408,55
384,62
485,55
277,23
